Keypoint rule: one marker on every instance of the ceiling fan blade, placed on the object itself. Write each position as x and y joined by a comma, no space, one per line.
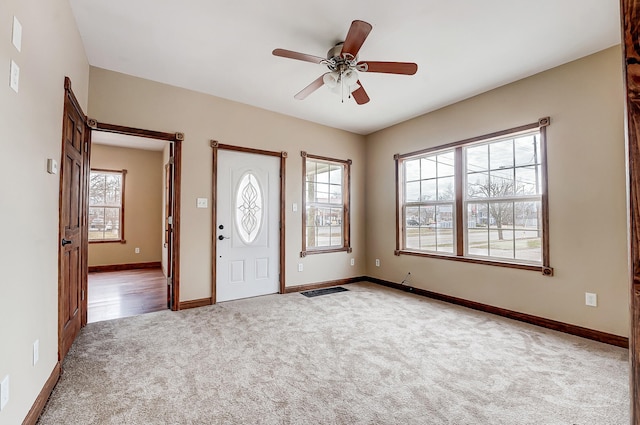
406,68
296,55
315,85
355,37
361,97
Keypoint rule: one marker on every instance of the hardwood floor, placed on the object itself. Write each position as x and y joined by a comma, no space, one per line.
125,293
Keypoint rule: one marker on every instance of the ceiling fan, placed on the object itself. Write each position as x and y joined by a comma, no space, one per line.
343,64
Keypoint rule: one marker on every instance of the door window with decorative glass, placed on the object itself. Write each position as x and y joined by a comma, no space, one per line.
106,205
325,204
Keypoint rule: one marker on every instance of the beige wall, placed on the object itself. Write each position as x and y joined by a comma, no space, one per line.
586,163
120,99
31,123
143,205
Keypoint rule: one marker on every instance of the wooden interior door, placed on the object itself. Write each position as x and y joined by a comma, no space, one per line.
630,35
72,248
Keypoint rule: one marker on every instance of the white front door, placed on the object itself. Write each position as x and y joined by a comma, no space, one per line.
247,229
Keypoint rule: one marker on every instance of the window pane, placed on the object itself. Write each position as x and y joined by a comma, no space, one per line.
112,190
527,150
501,154
112,223
427,215
501,229
478,185
412,215
336,194
478,228
311,191
446,189
444,228
477,158
412,192
412,170
336,175
429,167
96,223
429,190
500,183
324,236
528,231
428,238
446,164
527,181
96,189
322,192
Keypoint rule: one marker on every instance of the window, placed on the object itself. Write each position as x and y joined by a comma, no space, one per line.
480,200
325,202
106,205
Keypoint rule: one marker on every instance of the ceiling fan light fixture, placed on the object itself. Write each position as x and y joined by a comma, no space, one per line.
331,79
350,77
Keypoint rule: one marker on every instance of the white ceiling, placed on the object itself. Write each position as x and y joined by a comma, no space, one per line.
223,48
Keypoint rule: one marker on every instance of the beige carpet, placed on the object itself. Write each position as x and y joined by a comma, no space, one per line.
368,356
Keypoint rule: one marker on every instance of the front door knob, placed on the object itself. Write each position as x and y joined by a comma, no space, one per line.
66,242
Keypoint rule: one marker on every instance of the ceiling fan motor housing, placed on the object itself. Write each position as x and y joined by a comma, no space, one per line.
336,61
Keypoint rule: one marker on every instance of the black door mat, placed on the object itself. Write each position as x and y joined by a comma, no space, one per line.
325,291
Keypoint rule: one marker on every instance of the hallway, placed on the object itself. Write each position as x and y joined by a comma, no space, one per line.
125,293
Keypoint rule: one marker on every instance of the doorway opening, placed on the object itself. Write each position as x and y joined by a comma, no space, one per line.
133,222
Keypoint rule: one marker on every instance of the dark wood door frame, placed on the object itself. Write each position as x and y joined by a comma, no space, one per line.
630,10
176,139
214,218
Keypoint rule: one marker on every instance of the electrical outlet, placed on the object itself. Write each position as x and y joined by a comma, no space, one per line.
36,351
377,262
202,202
353,261
137,250
591,299
4,392
300,267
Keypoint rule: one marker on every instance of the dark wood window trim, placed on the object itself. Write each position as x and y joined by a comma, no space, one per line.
346,206
459,237
121,239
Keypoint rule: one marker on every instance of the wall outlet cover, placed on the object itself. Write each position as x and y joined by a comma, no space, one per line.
14,81
202,203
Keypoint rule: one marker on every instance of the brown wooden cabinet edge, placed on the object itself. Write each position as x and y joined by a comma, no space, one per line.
129,266
41,400
607,338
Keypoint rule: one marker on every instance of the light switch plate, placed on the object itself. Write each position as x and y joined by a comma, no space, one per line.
52,166
202,203
16,36
591,299
15,76
294,207
36,351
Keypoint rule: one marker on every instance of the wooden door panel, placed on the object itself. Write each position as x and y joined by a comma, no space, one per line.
72,243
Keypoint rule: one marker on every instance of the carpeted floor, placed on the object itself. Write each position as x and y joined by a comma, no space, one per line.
371,355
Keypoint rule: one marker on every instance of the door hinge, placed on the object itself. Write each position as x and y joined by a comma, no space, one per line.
86,146
170,220
82,294
172,160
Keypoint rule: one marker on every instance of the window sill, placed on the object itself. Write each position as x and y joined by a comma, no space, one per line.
546,271
324,251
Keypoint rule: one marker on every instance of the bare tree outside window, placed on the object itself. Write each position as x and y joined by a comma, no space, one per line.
106,205
479,199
